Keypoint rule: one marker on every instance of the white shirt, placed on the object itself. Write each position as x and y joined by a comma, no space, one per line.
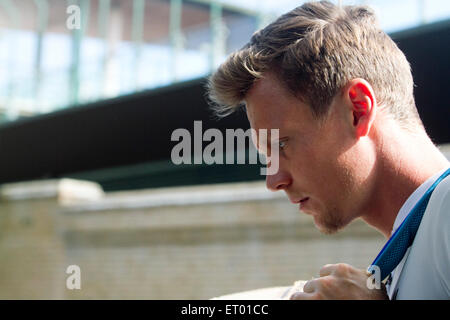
424,272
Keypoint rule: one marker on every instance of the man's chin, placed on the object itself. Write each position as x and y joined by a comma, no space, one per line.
327,227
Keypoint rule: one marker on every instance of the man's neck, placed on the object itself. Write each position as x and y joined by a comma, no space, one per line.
402,166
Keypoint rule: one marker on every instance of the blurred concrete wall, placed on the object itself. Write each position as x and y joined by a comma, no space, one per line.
173,243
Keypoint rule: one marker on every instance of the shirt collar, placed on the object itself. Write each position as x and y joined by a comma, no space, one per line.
413,199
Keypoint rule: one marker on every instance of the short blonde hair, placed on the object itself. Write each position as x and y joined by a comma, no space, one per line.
315,50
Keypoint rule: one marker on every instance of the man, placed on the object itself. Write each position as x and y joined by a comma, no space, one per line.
351,143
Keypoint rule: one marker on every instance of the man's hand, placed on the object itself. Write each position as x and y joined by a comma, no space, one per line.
338,282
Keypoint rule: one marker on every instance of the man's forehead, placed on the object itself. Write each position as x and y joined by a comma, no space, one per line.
268,105
268,86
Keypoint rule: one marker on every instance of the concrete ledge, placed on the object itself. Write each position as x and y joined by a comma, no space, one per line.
64,190
182,196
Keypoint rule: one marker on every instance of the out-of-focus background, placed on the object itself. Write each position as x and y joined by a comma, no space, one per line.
86,117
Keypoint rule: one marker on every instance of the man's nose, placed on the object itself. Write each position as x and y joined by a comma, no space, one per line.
279,181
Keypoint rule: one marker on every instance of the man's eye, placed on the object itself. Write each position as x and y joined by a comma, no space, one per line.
282,144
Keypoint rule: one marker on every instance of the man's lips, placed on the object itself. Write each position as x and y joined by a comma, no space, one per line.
301,200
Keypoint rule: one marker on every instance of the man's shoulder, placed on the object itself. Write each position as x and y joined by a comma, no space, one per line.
435,236
439,204
444,185
425,274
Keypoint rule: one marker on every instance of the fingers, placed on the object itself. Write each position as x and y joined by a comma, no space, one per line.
310,291
336,281
339,269
310,286
327,269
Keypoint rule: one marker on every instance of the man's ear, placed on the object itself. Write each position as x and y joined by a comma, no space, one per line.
363,105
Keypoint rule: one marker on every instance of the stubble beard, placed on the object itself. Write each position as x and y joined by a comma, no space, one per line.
330,222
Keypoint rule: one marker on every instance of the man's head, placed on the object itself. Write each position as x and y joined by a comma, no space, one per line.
315,50
321,74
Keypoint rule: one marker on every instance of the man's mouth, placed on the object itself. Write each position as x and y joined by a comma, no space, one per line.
300,201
